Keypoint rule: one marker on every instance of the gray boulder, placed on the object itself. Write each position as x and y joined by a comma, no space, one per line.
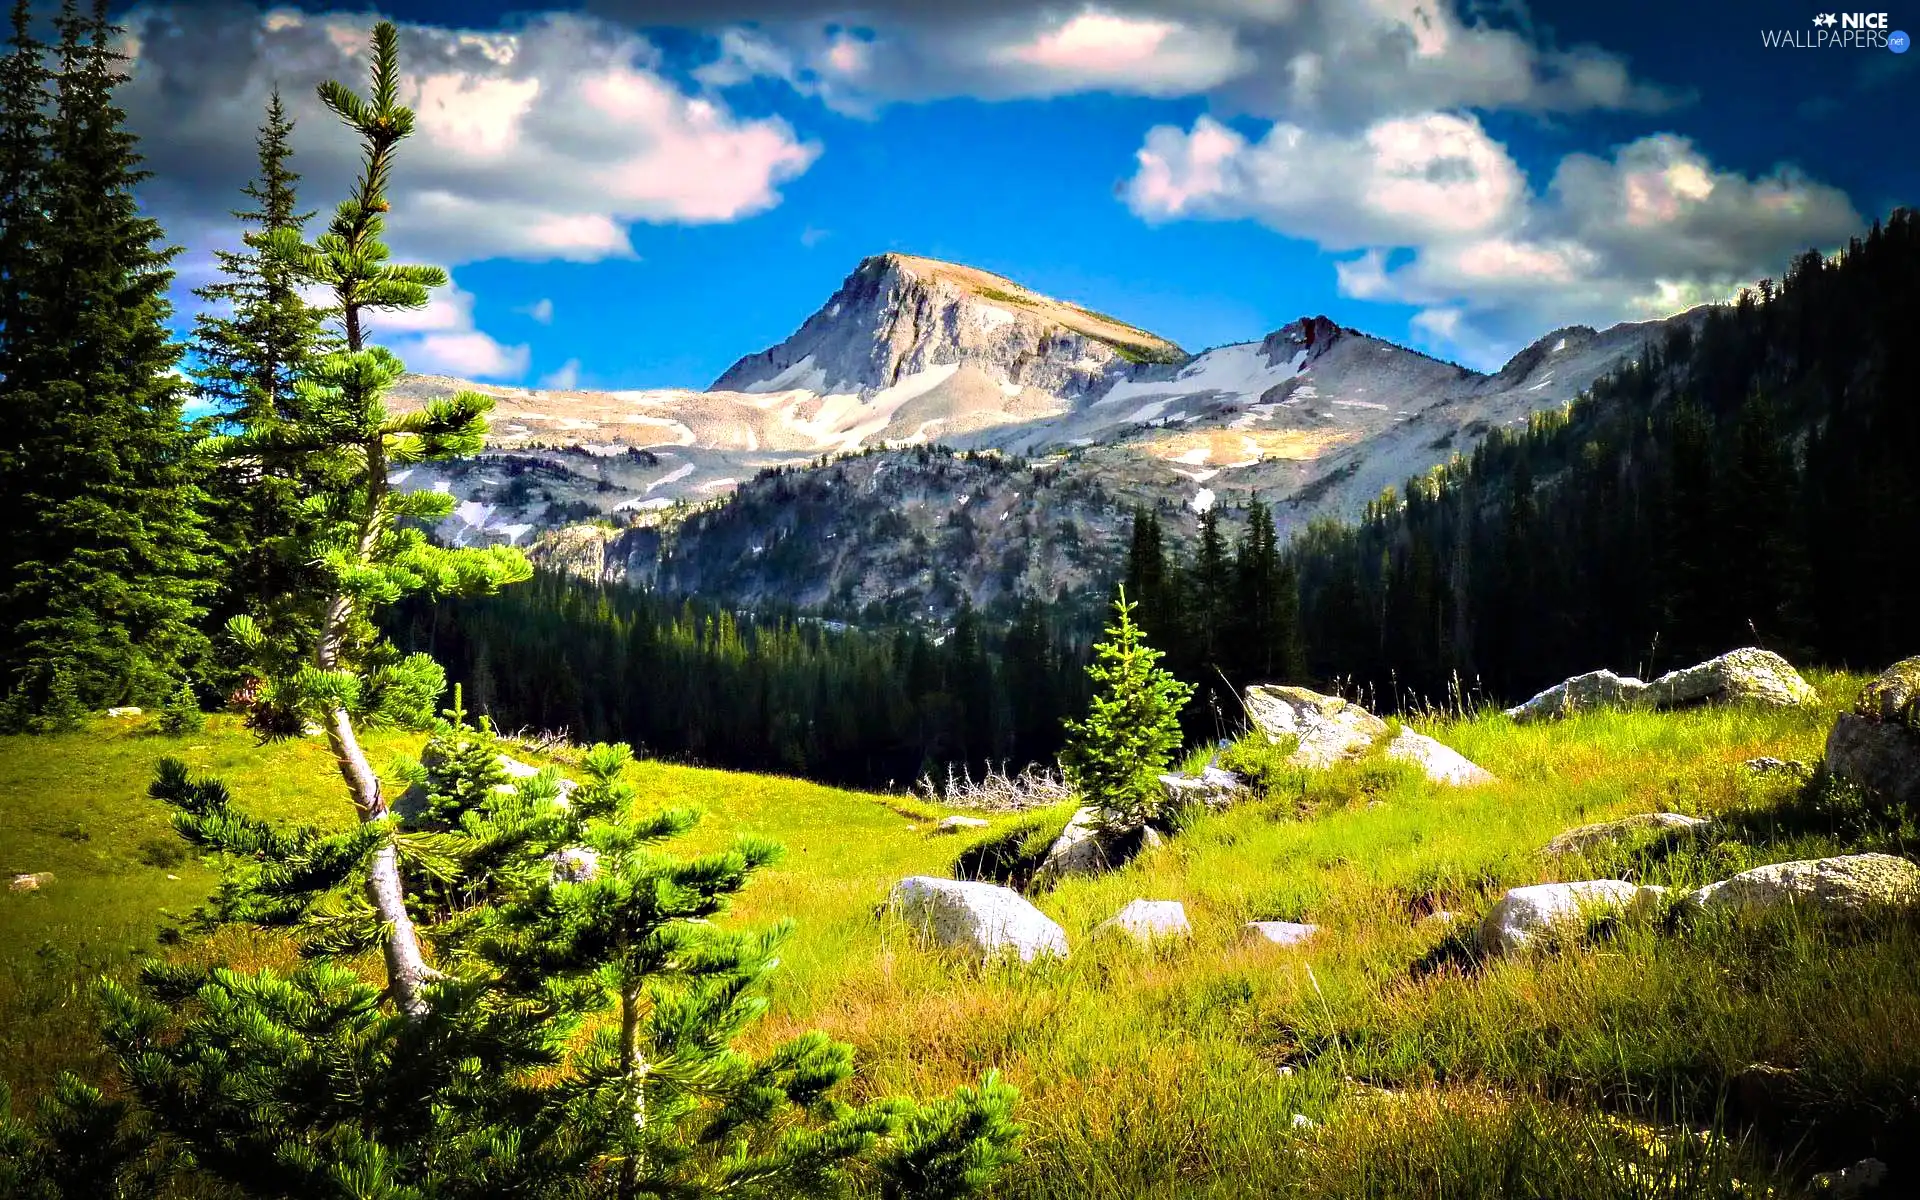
1877,745
1857,1182
979,918
1587,838
1749,674
1527,913
1081,848
1595,689
1213,787
1278,933
1847,882
1147,921
1330,730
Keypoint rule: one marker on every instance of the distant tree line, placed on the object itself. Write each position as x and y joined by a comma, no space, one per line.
682,678
1227,616
1751,479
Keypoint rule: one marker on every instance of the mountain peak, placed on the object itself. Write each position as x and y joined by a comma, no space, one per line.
899,316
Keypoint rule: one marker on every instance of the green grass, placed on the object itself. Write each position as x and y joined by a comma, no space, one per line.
1644,1060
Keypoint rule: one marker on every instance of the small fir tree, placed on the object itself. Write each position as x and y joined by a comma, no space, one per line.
1132,727
181,714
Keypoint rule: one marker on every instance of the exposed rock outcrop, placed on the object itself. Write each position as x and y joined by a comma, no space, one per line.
1595,689
979,918
1749,674
1877,745
1528,913
1091,843
1847,882
1329,730
1587,838
1213,787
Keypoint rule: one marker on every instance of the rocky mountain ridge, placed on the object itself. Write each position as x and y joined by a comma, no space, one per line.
1315,417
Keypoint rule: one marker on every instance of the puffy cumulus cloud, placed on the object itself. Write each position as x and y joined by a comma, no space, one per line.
1445,220
1403,179
548,142
441,339
1343,63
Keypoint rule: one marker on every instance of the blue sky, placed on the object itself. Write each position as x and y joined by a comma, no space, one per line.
635,193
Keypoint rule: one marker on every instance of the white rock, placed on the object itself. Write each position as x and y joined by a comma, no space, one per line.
1525,913
1587,838
574,864
1279,933
124,710
955,824
1877,745
1748,674
1079,849
1303,1121
1331,730
1213,787
1595,689
31,882
1442,764
1147,921
980,918
1849,881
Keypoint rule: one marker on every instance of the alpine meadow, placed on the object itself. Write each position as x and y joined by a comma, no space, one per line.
975,746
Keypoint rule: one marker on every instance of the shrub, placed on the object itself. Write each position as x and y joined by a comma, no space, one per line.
181,714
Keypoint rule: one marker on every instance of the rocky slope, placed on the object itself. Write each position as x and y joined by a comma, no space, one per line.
1315,418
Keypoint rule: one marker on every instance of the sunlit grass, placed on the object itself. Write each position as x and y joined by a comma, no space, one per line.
1652,1058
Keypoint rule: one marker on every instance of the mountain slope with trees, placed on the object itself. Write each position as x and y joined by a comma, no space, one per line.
1751,481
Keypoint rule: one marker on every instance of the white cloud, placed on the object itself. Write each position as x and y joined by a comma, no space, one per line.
1445,220
441,339
546,143
540,310
565,379
1340,64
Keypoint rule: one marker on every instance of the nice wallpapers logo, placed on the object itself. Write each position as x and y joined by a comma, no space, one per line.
1840,31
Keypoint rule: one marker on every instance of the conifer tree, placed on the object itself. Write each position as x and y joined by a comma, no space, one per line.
339,440
1132,727
108,559
250,352
23,154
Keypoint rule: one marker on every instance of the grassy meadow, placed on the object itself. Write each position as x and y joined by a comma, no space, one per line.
1383,1058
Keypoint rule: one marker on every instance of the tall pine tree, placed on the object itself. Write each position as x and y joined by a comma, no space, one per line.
109,558
23,162
250,349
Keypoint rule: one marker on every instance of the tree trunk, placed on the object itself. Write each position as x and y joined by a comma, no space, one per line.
636,1068
407,969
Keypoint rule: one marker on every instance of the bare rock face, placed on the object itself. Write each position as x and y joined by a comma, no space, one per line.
1750,674
979,918
1587,838
1527,913
898,316
1213,787
1330,730
1850,881
1595,689
1877,745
